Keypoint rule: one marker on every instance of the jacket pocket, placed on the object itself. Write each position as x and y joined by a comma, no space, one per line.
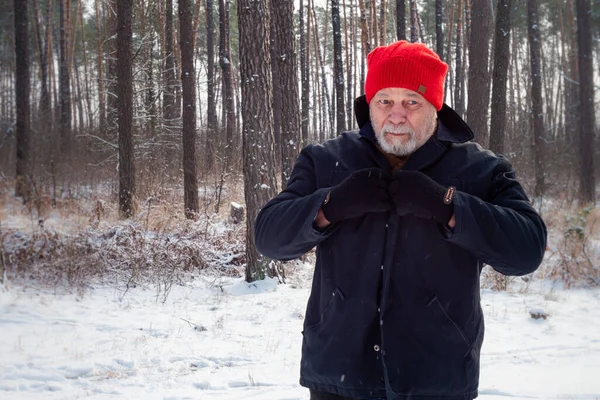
336,296
459,335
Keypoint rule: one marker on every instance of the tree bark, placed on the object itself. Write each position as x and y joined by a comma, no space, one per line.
169,98
22,88
535,53
459,66
227,74
338,67
401,19
211,107
188,87
282,18
439,28
478,89
501,63
255,69
587,183
99,71
304,75
414,29
125,108
64,77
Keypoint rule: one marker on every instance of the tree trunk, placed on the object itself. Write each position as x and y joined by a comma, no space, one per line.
479,53
259,176
439,28
188,87
382,23
348,66
459,66
338,67
282,19
277,94
587,182
304,76
169,98
64,77
414,29
366,42
401,19
125,109
226,72
22,88
501,63
536,95
211,107
43,60
99,71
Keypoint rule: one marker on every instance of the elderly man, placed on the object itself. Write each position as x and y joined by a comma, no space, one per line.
404,214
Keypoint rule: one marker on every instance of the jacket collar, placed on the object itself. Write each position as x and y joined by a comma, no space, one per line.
450,129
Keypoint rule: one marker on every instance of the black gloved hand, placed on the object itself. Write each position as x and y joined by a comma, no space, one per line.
365,191
414,193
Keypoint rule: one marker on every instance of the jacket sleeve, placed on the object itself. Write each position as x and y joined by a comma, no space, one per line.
284,227
505,232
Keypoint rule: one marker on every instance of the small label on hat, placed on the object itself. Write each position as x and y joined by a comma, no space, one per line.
422,89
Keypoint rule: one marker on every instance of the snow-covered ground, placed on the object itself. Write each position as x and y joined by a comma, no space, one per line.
223,339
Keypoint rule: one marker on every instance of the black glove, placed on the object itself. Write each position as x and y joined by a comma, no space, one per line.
414,193
365,191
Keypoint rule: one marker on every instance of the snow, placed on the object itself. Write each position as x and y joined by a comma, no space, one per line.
221,338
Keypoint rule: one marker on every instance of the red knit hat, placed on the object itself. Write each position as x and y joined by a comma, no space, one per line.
406,65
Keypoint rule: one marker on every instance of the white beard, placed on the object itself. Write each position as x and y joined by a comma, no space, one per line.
399,146
403,146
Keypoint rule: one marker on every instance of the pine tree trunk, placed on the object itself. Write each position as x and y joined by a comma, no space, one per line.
22,88
479,53
401,19
324,95
536,95
211,107
459,67
382,22
227,74
260,184
275,79
366,42
501,64
169,97
348,66
439,28
587,183
125,108
99,71
304,76
43,62
338,67
188,87
282,19
414,29
64,77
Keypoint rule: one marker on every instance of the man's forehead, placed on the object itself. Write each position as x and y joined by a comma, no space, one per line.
389,92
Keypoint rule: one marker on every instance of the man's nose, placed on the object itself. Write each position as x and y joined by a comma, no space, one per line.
397,114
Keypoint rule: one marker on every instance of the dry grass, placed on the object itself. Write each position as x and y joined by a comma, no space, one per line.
77,240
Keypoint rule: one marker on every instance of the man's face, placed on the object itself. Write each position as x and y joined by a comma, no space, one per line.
402,120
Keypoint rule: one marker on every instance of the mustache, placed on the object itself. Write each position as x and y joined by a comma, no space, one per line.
388,128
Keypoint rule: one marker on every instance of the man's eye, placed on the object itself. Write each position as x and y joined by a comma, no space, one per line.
384,102
412,102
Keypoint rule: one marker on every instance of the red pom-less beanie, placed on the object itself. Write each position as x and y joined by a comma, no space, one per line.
406,65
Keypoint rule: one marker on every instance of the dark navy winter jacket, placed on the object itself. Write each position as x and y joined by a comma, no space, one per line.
394,310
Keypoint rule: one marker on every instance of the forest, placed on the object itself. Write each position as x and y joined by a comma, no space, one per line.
134,121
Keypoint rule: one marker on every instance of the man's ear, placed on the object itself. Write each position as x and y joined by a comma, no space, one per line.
361,111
